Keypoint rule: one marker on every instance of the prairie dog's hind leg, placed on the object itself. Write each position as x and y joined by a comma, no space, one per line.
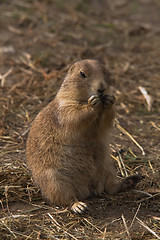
129,183
113,186
58,190
54,186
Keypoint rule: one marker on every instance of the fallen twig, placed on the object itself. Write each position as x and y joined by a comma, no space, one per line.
123,165
135,215
119,164
155,126
4,76
125,225
145,193
61,227
149,229
151,166
144,199
147,97
8,229
129,135
93,225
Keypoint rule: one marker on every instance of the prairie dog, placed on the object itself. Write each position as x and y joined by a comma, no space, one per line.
67,148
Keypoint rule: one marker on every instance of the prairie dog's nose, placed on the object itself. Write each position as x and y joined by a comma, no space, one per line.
101,91
101,88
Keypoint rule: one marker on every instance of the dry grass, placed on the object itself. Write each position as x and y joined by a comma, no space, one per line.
38,42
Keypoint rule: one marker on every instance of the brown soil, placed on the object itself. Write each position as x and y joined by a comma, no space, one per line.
39,40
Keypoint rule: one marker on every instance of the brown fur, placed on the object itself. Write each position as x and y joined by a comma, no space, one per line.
67,148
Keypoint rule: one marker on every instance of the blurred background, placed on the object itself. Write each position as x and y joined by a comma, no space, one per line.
39,40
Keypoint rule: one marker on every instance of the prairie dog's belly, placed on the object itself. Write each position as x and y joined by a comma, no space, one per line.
83,167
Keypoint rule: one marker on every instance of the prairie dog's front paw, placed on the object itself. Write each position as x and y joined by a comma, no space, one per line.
94,100
108,100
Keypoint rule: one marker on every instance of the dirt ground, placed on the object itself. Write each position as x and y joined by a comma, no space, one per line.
39,40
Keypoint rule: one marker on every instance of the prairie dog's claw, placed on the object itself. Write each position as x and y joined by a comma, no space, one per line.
94,100
79,207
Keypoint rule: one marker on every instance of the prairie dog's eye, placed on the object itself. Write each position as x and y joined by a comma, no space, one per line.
83,74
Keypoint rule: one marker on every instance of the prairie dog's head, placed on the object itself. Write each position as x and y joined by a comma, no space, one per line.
84,79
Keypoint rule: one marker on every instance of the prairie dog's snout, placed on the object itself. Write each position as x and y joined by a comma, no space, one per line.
100,81
101,88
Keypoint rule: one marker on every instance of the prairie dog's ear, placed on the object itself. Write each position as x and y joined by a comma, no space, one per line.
71,68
